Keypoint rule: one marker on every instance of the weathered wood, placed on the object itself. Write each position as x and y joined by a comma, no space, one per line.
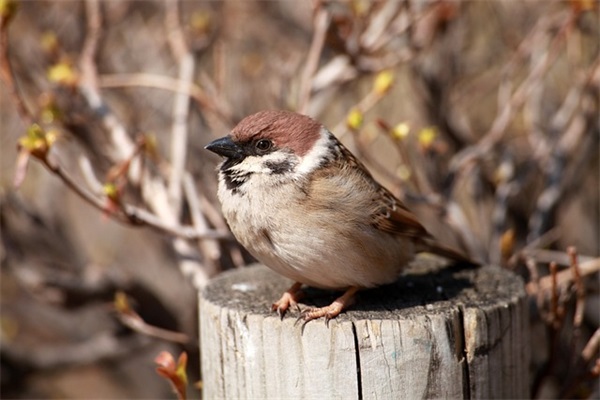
436,333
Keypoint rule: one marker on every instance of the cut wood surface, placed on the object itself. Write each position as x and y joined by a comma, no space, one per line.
438,332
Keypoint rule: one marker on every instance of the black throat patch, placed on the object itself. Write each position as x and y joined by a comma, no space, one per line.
233,179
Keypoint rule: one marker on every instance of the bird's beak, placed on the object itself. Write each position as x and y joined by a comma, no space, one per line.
225,147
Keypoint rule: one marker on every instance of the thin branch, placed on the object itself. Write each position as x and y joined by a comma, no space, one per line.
554,304
123,146
592,347
165,83
181,103
90,46
130,215
179,131
210,248
579,288
509,101
134,322
565,277
321,23
7,75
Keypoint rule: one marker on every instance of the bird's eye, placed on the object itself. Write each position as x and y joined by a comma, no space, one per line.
264,144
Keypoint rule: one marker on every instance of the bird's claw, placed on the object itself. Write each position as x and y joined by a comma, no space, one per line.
328,313
281,307
288,299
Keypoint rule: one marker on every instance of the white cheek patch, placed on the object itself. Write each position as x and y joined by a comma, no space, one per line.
315,156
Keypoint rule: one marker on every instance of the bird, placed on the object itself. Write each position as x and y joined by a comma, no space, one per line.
303,205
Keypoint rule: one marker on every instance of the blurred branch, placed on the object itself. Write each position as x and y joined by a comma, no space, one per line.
579,291
510,100
154,190
565,277
166,83
131,215
592,347
181,103
321,23
134,321
6,72
103,346
188,263
210,248
573,144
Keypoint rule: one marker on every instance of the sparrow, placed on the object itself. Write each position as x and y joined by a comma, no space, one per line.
303,205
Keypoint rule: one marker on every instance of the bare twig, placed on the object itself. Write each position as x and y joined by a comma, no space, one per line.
509,100
579,288
181,104
592,347
131,215
210,248
165,83
554,304
7,76
547,256
123,146
321,23
534,284
134,322
545,240
154,191
565,277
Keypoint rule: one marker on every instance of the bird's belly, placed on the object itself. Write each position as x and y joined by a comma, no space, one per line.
331,262
313,247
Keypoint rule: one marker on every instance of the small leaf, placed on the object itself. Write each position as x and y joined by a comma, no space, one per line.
111,191
121,303
113,198
400,131
383,82
63,73
52,136
427,136
176,374
36,142
181,367
354,120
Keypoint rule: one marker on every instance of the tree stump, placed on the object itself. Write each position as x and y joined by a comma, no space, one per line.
438,332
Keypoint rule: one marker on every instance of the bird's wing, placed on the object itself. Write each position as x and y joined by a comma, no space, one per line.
395,218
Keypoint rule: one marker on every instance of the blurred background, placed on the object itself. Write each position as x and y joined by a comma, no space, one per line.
481,116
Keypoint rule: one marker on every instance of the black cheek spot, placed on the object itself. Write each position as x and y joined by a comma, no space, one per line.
279,168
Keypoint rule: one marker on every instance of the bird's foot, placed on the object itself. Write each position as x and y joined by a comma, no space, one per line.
331,311
289,298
